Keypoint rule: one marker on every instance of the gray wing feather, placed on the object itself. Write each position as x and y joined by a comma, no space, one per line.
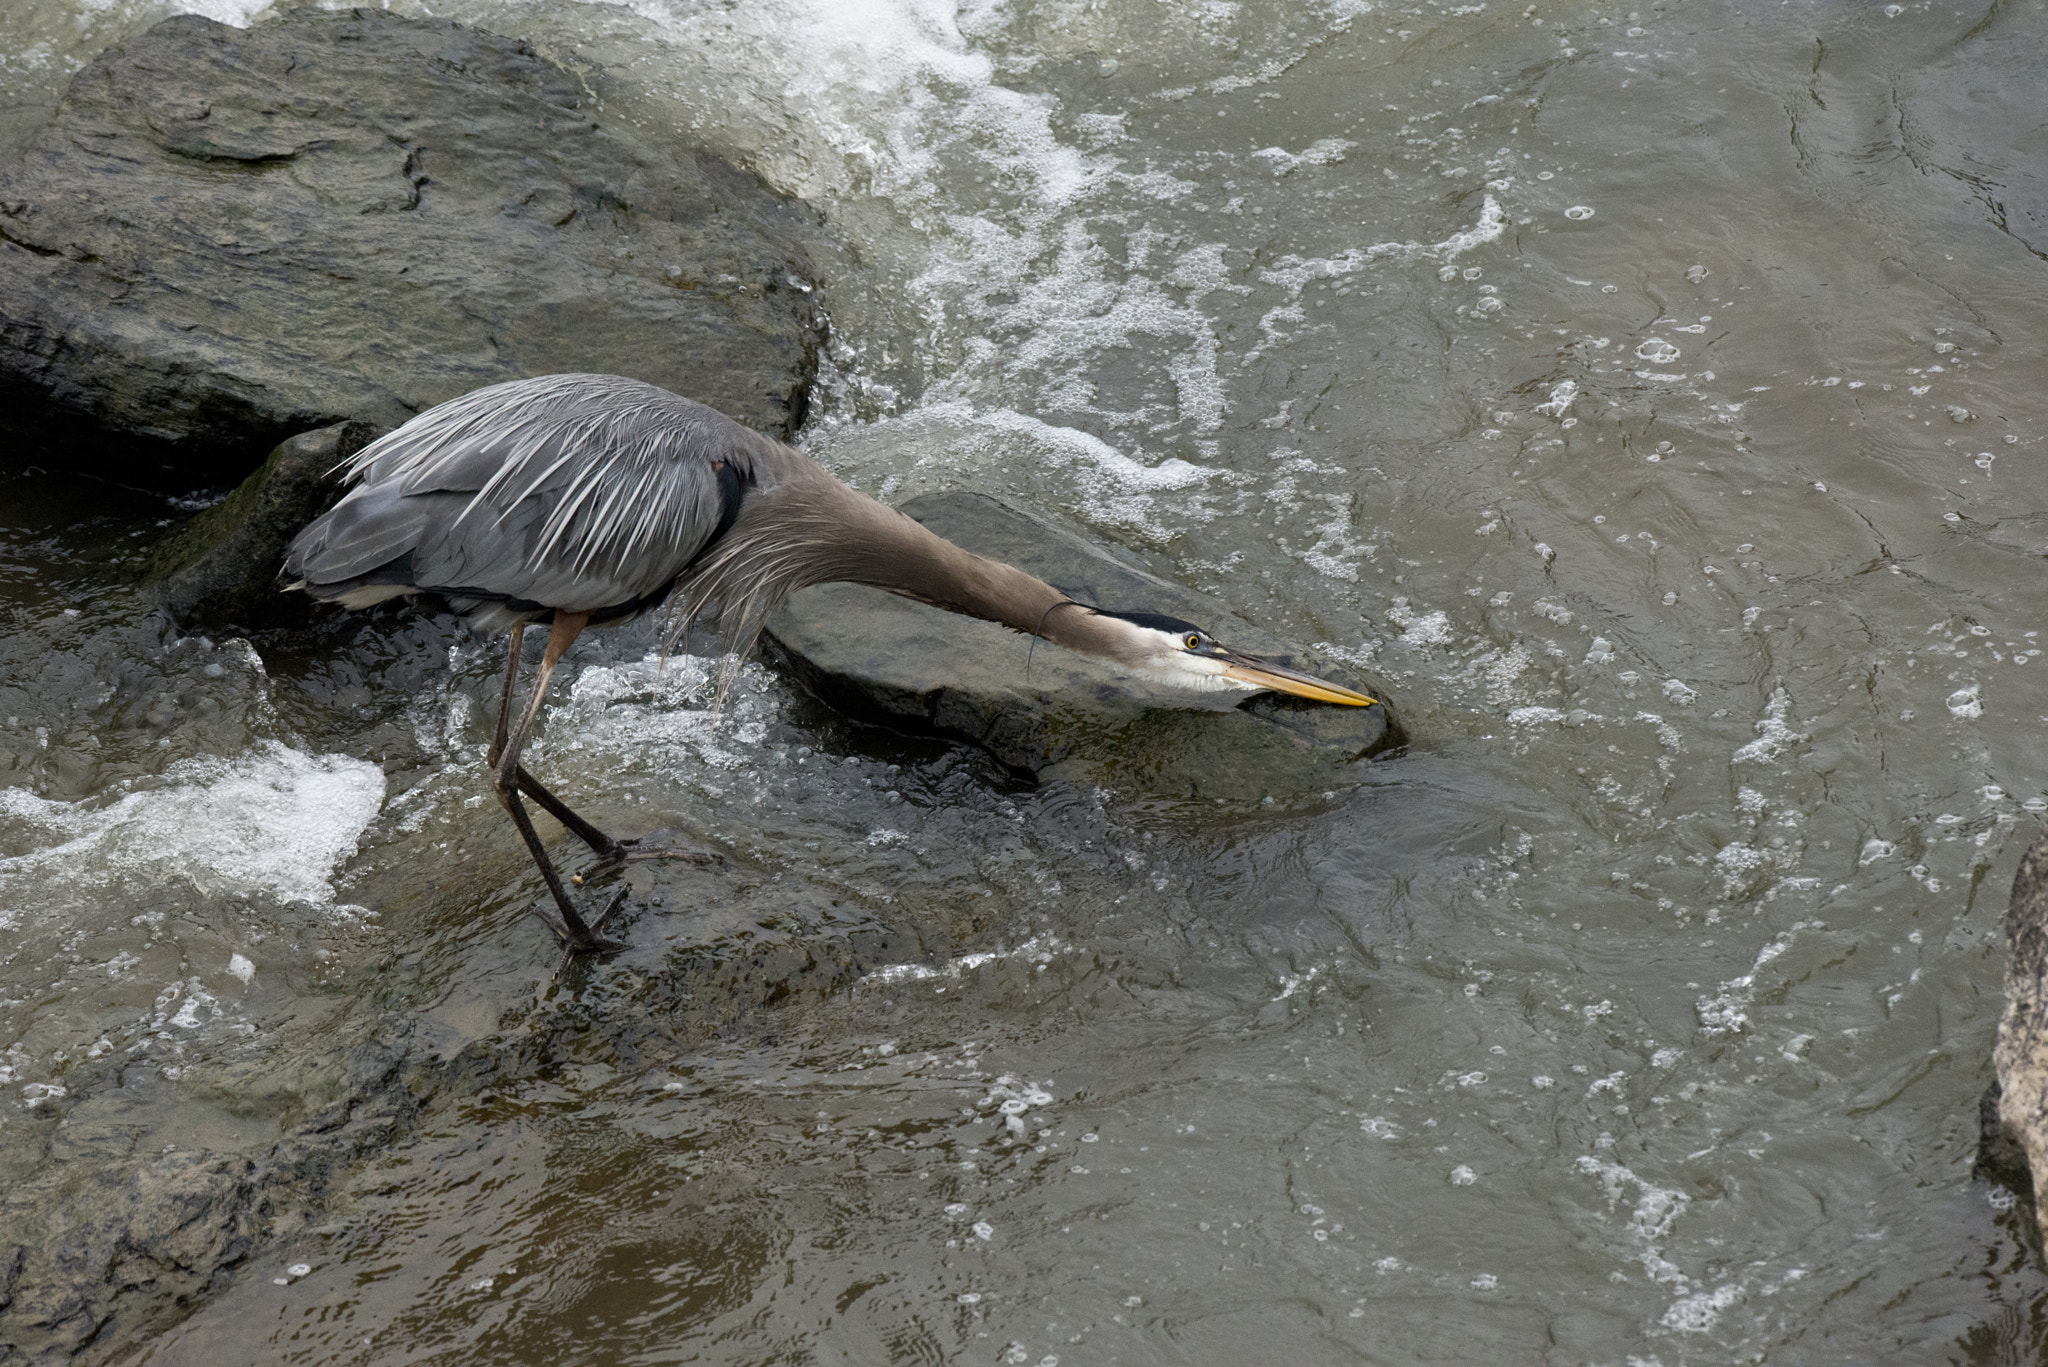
573,491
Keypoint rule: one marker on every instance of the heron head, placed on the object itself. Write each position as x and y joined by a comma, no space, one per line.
1184,655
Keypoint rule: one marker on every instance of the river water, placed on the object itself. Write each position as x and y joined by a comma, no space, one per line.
1652,397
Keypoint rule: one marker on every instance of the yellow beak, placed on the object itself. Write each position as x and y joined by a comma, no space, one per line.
1262,674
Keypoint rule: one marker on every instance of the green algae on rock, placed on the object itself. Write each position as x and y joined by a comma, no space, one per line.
221,566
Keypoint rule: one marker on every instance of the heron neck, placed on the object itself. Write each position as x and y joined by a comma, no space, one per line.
920,564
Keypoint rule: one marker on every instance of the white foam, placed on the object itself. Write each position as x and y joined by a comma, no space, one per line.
1421,629
1323,152
277,821
1698,1313
1656,1210
1039,949
663,710
237,13
1773,734
953,441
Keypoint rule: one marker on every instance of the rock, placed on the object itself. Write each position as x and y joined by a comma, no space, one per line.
2019,1106
226,236
115,1239
221,566
1046,711
120,1246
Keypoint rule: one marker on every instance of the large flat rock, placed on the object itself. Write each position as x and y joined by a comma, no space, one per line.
228,236
1047,711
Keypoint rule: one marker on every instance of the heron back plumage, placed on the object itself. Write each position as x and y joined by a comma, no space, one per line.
584,493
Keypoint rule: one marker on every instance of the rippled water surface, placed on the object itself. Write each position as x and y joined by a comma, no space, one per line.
1654,398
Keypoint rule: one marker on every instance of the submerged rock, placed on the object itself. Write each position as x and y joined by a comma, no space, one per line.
105,1248
1048,711
2015,1114
225,236
122,1245
221,566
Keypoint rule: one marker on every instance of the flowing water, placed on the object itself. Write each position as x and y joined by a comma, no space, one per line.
1653,397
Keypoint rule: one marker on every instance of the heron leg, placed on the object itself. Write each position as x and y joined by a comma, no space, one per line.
511,691
576,935
612,854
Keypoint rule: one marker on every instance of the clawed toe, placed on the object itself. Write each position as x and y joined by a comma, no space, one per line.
624,852
590,940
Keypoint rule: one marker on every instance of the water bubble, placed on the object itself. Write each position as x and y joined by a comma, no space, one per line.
1579,211
1545,175
1657,351
1697,274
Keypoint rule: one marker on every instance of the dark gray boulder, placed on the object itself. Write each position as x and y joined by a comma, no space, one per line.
220,567
227,236
1048,712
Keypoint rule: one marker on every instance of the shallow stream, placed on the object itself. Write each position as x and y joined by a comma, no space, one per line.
1653,397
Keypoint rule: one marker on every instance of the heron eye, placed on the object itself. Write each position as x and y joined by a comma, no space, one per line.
1193,641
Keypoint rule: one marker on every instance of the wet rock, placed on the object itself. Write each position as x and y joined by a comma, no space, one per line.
2015,1125
118,1247
220,568
1047,711
120,1237
227,236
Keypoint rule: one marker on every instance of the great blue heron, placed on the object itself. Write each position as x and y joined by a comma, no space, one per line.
578,500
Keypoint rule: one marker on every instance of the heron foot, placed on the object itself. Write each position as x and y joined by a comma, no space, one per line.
624,852
581,940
